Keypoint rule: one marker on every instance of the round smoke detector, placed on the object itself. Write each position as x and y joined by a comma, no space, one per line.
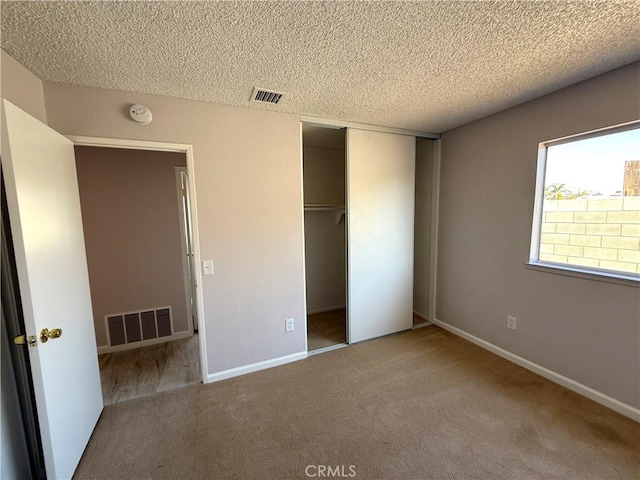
141,114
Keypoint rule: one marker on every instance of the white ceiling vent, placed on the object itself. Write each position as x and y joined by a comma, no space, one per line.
267,96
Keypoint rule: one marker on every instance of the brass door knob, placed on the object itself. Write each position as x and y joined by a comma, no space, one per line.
55,333
46,334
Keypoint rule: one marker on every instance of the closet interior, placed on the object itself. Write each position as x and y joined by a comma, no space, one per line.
324,168
423,270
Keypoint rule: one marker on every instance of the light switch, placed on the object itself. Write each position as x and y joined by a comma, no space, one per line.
207,267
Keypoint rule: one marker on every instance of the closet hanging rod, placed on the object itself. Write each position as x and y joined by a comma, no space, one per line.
323,206
339,210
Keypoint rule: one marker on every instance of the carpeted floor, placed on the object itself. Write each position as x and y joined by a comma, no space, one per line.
326,329
418,405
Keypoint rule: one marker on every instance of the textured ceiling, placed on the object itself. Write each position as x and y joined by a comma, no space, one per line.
426,66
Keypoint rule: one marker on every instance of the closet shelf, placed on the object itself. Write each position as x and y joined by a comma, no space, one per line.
317,207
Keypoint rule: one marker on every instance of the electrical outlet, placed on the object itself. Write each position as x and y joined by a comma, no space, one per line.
289,325
512,323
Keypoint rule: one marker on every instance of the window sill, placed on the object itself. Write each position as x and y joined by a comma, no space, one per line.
630,280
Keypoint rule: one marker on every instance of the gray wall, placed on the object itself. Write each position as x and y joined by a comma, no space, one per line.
24,90
132,232
325,248
249,209
422,242
585,330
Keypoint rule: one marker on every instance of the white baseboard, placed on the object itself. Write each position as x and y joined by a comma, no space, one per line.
598,397
426,322
144,343
328,309
255,367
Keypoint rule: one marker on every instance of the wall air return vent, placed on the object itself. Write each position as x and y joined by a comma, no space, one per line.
133,327
266,96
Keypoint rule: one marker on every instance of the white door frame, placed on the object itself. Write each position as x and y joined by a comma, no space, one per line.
188,151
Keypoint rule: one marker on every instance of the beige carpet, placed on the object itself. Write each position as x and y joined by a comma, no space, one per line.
326,329
417,405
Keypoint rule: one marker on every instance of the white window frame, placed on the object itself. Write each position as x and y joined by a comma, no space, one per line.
561,268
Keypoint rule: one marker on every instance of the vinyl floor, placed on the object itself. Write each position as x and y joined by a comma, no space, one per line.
149,370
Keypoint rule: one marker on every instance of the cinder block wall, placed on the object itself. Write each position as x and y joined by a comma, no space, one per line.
603,233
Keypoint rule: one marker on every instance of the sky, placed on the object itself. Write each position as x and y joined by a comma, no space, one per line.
594,164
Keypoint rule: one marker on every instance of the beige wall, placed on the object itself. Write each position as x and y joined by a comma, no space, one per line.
325,248
21,87
422,242
132,232
249,202
583,329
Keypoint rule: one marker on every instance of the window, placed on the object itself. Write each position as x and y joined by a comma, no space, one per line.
587,210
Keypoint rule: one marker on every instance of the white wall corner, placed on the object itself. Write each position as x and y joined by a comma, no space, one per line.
598,397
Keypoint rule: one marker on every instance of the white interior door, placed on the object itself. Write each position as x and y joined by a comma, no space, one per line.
44,211
381,193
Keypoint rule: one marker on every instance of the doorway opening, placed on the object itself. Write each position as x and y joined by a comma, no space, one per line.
136,212
325,233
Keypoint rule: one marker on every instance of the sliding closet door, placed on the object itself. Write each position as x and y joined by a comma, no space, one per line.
381,192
